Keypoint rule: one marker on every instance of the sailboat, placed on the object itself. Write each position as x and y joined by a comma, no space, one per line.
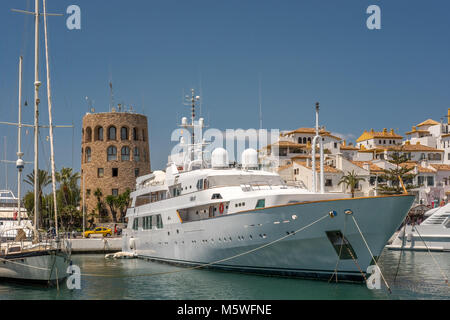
36,258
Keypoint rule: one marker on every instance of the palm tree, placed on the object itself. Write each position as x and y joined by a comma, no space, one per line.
351,180
68,185
123,201
98,194
112,202
44,179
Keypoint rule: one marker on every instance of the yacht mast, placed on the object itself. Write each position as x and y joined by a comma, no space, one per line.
19,163
37,84
50,119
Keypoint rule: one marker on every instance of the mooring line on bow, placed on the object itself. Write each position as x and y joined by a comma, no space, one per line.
211,263
370,251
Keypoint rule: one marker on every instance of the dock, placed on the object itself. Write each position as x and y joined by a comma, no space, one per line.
96,245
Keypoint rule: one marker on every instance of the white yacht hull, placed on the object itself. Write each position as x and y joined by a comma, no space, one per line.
41,267
262,240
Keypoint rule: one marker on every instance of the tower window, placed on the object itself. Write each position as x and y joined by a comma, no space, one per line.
100,172
115,192
135,134
88,154
112,153
136,172
99,134
88,134
112,133
125,154
124,133
136,154
115,172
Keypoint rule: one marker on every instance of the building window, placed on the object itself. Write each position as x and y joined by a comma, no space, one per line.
420,180
115,192
88,192
99,134
88,154
112,133
125,154
136,172
328,183
136,154
135,134
115,172
100,172
112,153
124,133
88,134
430,181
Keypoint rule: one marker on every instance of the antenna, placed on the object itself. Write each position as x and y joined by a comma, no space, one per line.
90,104
111,103
191,101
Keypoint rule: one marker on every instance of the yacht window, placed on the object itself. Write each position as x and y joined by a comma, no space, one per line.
261,203
159,222
147,223
142,199
216,196
135,223
200,184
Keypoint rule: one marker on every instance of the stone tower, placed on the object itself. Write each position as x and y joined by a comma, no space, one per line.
114,151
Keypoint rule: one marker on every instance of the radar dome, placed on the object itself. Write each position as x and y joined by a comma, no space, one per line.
219,158
249,159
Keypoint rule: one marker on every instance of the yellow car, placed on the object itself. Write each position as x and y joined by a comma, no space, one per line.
99,230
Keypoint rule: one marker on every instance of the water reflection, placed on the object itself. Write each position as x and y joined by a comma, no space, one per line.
418,278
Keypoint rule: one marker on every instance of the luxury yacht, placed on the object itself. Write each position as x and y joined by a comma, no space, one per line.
210,214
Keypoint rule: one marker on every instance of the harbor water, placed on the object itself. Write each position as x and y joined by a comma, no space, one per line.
418,278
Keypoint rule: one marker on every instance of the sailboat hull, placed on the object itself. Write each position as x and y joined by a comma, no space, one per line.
44,267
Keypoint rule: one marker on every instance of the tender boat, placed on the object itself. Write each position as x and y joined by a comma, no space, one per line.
432,234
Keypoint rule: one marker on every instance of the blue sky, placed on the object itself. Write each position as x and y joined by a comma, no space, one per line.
304,50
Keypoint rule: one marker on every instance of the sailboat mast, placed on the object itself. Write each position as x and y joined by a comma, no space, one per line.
19,162
50,119
37,83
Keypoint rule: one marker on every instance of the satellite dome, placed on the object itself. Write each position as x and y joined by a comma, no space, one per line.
20,164
219,158
249,159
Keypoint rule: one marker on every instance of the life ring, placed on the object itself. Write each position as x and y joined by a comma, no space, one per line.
221,208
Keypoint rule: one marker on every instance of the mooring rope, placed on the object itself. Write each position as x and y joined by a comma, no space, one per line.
211,263
401,251
437,264
370,251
